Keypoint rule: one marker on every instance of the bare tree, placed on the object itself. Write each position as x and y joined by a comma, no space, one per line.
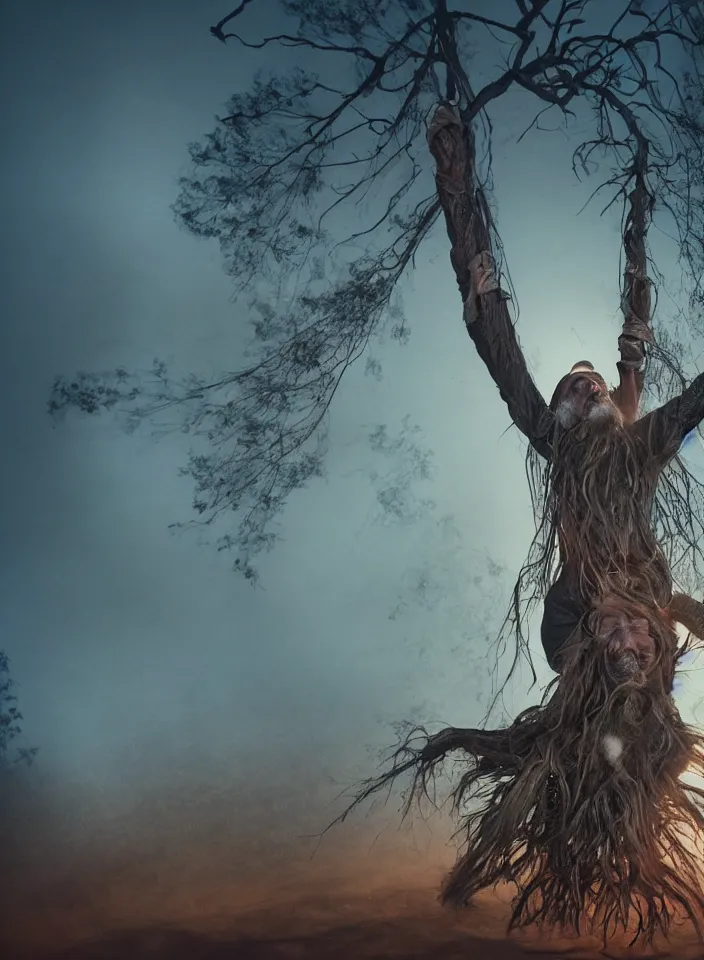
318,186
690,128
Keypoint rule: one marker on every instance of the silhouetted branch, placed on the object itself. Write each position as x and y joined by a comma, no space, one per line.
317,185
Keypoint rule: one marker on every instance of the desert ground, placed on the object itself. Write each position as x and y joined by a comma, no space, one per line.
185,874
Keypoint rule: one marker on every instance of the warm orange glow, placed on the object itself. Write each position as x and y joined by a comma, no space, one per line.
157,880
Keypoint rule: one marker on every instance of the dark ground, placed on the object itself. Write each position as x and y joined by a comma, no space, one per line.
199,881
405,927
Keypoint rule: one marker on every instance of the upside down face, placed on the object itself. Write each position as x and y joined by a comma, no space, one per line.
583,396
629,641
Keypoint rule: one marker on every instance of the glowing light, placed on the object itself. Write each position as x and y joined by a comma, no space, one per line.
613,748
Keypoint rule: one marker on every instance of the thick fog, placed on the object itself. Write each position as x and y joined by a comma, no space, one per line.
194,732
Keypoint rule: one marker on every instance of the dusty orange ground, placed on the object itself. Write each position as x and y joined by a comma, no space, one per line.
399,924
127,911
183,875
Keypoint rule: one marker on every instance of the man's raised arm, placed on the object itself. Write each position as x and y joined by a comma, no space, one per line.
485,305
666,427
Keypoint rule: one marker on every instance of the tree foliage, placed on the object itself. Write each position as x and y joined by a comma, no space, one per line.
317,185
10,720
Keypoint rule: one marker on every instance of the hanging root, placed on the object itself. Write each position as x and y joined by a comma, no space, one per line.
578,803
421,754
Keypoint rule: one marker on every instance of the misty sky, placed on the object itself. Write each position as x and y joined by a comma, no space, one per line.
140,658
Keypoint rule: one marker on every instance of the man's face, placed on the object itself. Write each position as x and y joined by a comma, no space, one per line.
583,395
629,638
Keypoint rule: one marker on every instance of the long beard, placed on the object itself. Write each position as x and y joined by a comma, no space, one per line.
579,803
599,504
597,811
568,413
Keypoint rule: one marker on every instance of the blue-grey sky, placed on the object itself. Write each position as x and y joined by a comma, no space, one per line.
191,729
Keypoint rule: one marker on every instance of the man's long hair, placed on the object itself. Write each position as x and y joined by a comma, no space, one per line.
597,507
580,802
624,522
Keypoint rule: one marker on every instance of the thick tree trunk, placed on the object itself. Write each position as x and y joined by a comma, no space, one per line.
636,301
451,143
486,312
635,296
